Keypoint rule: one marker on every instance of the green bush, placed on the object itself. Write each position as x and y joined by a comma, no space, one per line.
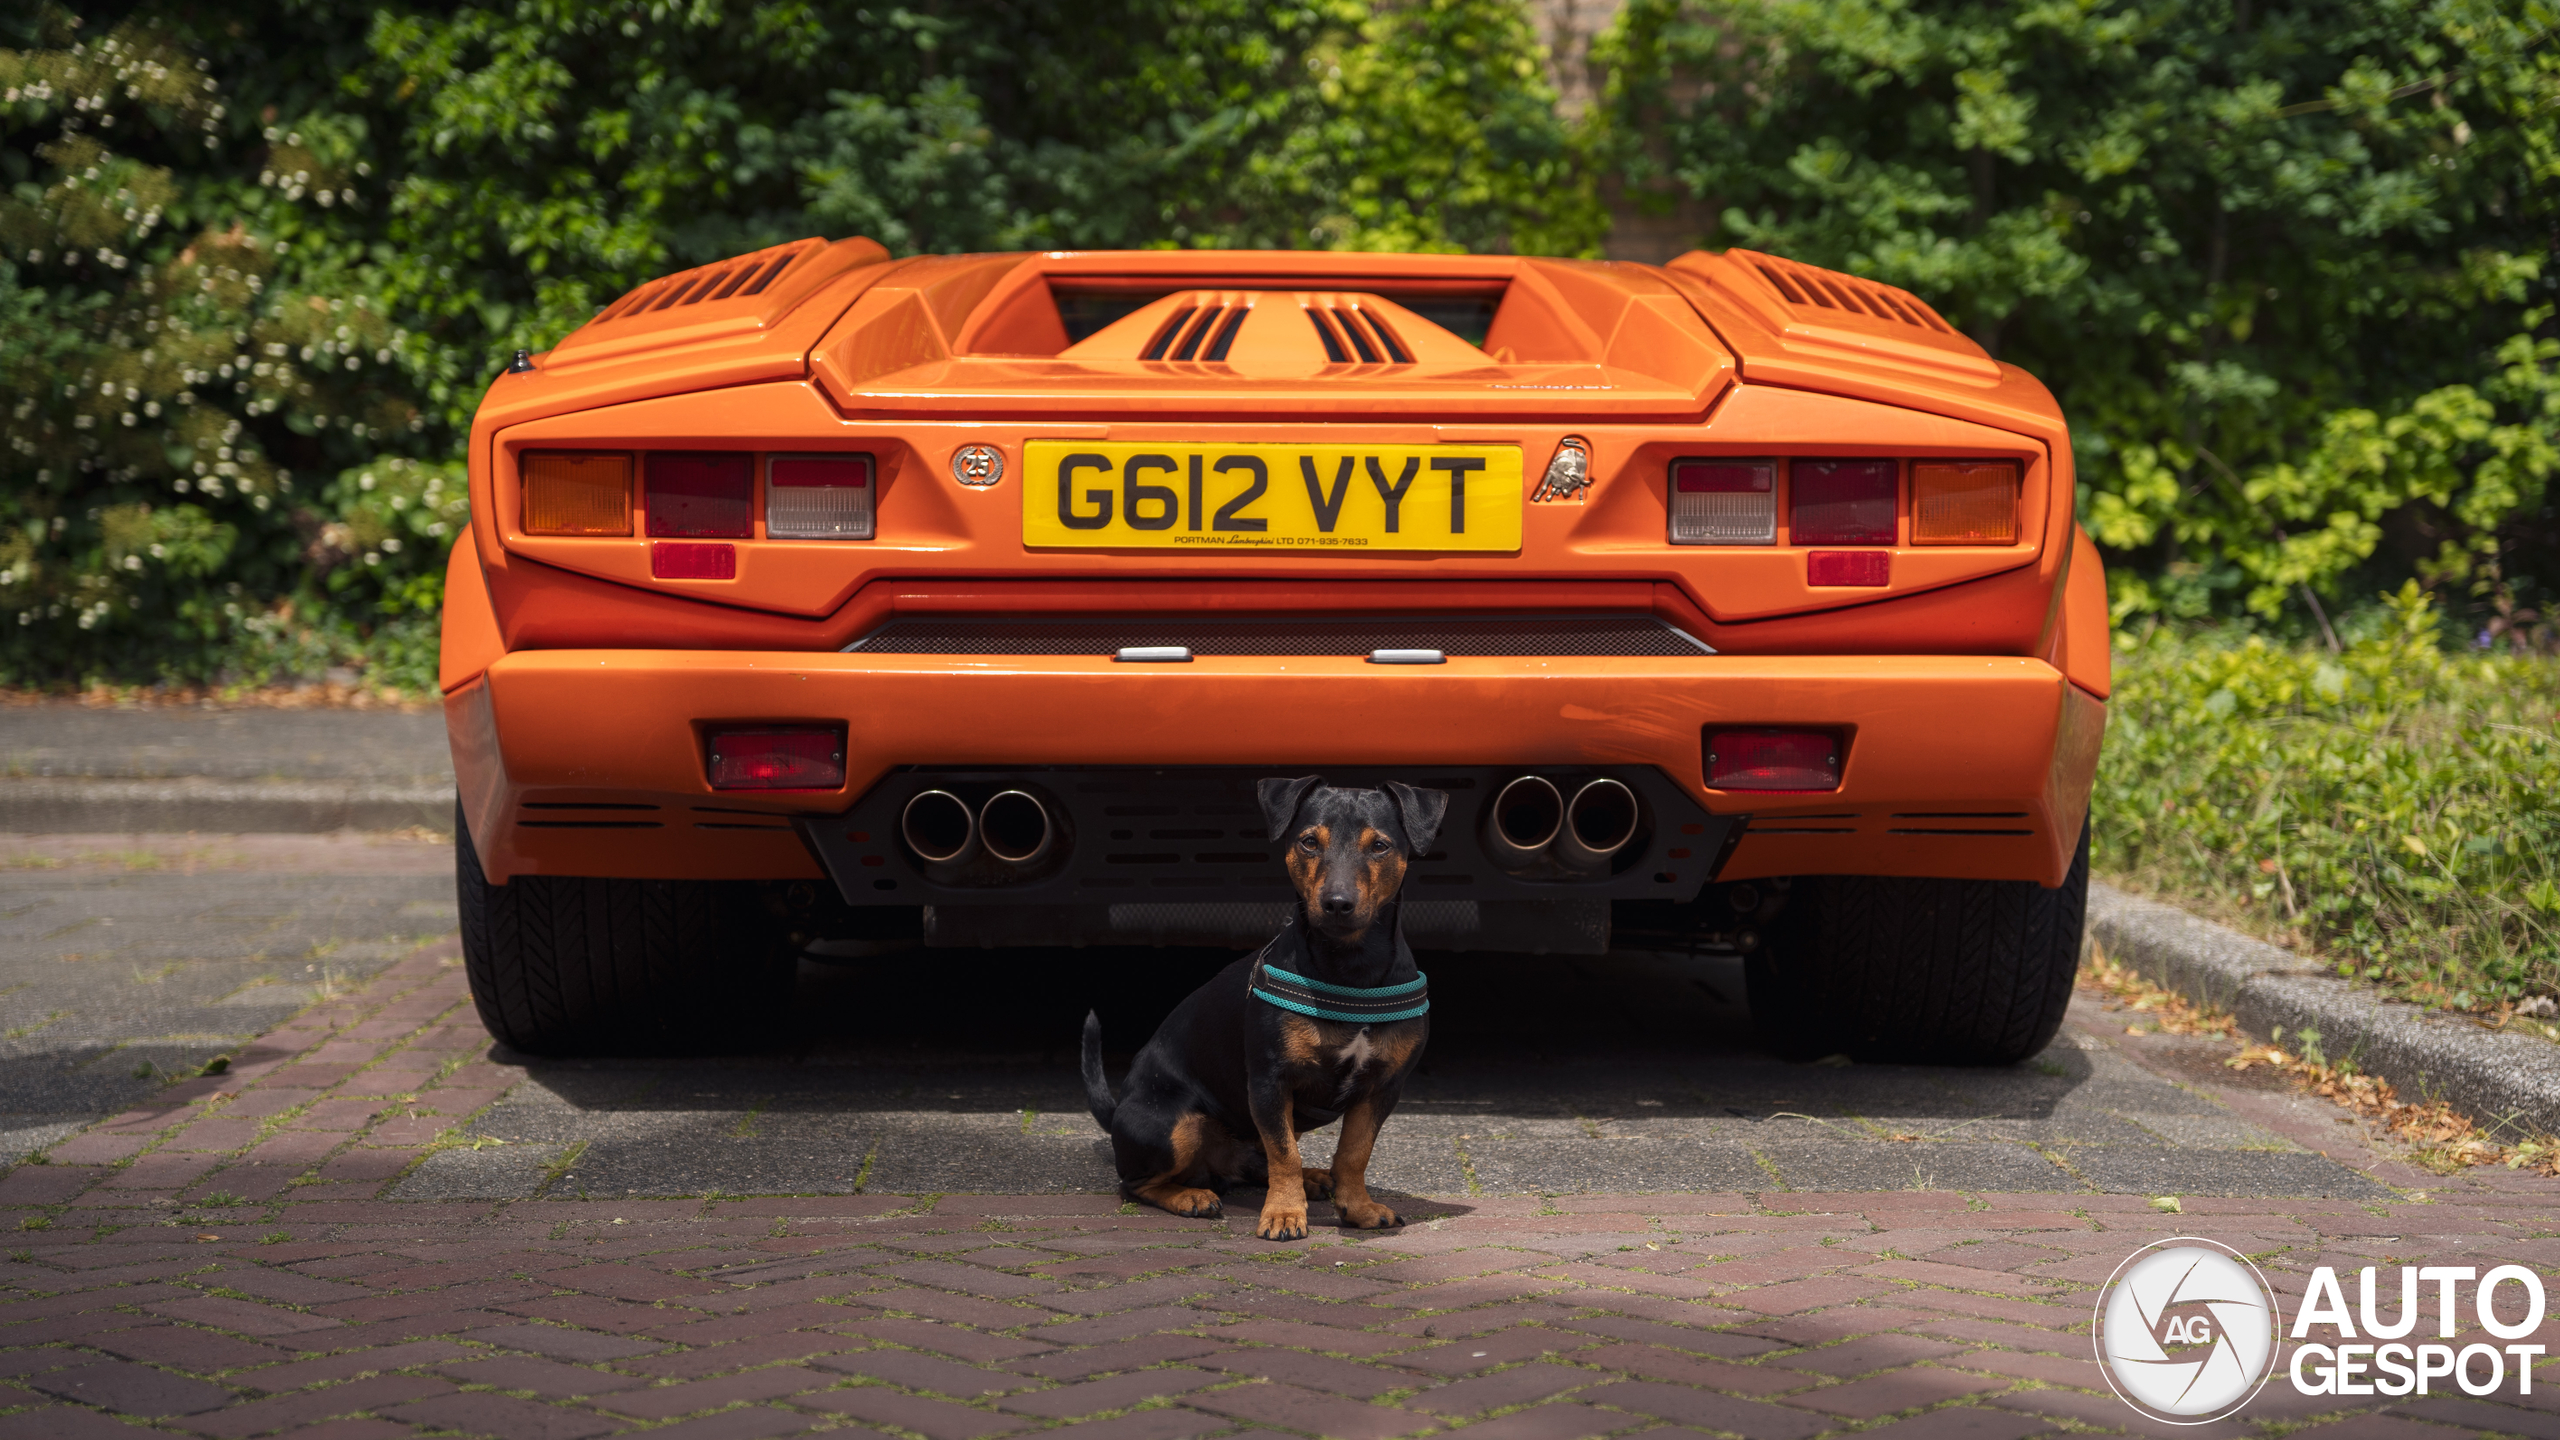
248,248
2286,263
2394,808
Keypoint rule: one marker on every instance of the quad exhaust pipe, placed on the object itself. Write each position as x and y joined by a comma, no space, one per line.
1013,828
1531,820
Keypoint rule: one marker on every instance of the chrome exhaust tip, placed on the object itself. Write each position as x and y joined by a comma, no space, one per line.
938,826
1015,827
1597,824
1523,821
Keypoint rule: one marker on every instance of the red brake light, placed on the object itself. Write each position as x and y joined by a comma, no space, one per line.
702,494
776,758
1773,760
1842,502
693,562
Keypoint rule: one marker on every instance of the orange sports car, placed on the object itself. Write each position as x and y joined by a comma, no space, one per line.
817,601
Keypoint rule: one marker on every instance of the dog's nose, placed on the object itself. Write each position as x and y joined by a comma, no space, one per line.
1338,902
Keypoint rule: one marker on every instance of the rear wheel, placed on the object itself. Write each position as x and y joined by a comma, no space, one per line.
1937,972
568,966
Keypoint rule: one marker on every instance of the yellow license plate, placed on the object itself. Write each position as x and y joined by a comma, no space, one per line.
1089,494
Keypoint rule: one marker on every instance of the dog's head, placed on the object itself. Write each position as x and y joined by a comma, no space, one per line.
1348,849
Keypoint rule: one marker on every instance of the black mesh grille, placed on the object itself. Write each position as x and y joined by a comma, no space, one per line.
1490,635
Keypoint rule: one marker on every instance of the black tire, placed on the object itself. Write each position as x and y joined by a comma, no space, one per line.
1931,972
568,966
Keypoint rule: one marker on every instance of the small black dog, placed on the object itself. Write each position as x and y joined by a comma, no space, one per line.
1324,1022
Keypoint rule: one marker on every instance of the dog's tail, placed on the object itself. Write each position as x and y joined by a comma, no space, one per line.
1097,1091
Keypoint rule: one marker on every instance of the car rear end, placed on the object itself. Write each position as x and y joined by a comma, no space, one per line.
961,600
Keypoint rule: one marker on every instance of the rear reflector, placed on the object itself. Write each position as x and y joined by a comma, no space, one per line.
693,562
1772,760
571,494
799,758
702,494
1964,502
1724,502
1841,502
818,497
1849,567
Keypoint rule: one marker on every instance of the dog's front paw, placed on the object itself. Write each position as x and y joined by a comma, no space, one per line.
1280,1224
1368,1215
1197,1204
1319,1184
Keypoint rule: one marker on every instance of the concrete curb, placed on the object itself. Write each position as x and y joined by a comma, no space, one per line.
2510,1084
80,806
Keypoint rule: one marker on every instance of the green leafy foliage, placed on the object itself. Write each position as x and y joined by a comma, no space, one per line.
2286,263
244,250
2392,807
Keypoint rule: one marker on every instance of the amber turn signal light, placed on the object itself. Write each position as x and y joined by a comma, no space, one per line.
567,493
1964,502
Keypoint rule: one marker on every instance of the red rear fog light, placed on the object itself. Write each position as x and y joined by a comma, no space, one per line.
674,560
1849,567
1773,760
777,758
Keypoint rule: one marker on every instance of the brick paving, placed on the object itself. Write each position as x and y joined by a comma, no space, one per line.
221,1262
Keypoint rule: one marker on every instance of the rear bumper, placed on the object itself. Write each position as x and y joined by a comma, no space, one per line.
589,762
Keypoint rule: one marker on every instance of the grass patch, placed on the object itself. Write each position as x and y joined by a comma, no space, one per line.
2393,809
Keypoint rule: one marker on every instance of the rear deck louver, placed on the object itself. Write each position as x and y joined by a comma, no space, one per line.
1830,290
1337,323
748,275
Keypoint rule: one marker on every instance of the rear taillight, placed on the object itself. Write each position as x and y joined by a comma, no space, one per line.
1724,502
568,493
818,497
705,495
1842,502
1964,502
1772,760
776,758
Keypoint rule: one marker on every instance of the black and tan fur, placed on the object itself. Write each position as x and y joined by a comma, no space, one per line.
1221,1093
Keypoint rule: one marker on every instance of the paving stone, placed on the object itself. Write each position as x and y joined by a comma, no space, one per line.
130,1389
1315,1372
276,1379
1707,1410
66,1422
933,1419
1118,1392
547,1379
305,1407
1561,1421
915,1371
561,1343
665,1402
480,1413
1296,1409
1520,1385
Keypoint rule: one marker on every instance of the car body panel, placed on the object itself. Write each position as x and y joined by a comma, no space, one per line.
1969,687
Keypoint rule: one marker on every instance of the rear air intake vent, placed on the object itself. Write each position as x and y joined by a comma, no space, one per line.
1817,289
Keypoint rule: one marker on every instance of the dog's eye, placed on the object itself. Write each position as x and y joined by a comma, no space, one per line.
1379,847
1309,844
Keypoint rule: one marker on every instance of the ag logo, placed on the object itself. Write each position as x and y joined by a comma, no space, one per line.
2186,1331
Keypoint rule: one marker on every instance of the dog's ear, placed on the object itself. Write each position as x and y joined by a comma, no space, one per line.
1280,801
1422,811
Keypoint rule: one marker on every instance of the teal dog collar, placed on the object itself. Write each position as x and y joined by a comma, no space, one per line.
1275,986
